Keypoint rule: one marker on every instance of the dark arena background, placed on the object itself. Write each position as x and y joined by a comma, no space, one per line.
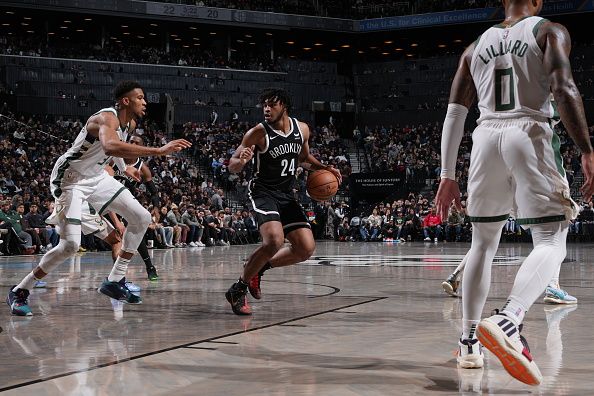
366,313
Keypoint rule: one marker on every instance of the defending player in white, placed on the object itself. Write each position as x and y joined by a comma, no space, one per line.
514,166
79,177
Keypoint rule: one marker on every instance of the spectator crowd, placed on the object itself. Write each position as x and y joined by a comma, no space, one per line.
202,204
114,51
414,219
193,208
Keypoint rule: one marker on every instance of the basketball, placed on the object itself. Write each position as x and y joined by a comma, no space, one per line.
322,185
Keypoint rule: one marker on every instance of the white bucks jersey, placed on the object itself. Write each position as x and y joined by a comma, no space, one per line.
86,155
508,72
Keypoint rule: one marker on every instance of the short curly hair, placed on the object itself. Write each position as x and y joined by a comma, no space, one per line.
276,95
123,87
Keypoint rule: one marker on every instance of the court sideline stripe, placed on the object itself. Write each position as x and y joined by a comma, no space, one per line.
39,380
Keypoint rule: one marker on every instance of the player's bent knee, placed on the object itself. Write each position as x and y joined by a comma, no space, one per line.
272,246
69,247
141,220
305,252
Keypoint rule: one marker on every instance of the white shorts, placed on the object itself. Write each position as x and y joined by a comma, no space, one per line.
516,167
93,224
74,194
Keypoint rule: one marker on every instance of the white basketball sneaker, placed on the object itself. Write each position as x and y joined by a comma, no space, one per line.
451,286
502,337
470,354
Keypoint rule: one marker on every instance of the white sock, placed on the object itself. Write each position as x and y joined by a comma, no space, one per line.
27,283
554,283
514,310
469,329
119,270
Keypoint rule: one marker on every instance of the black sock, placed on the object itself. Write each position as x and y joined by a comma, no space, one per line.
144,254
241,284
148,263
266,267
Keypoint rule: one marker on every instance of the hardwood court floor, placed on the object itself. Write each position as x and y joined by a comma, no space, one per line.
356,319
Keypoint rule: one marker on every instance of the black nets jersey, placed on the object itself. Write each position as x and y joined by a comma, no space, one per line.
275,166
126,180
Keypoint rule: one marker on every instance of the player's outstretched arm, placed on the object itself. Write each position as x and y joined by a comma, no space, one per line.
308,161
245,152
105,126
462,96
556,44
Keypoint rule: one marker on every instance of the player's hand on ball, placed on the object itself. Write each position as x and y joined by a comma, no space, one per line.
336,173
246,155
174,146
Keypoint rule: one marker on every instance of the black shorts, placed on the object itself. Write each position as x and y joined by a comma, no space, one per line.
271,205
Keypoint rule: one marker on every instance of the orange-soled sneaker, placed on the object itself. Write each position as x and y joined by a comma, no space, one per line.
502,337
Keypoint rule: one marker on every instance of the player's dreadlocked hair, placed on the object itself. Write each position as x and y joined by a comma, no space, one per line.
123,87
276,95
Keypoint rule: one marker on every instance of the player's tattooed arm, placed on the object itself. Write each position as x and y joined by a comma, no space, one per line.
555,42
245,152
463,91
308,161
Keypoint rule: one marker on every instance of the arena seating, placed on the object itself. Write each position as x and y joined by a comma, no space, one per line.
351,9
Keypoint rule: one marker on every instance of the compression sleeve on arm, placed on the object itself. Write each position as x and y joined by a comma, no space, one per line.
453,131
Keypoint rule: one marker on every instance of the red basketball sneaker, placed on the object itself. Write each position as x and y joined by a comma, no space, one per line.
236,295
254,286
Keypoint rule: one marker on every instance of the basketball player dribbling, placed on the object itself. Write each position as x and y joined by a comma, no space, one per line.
515,166
79,178
280,145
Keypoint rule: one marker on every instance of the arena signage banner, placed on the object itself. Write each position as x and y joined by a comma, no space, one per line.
248,17
374,184
438,18
286,21
465,16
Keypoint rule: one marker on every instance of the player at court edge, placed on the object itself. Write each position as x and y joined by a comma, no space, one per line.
515,164
79,178
278,146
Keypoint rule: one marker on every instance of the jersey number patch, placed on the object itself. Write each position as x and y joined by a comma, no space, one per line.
505,96
288,168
